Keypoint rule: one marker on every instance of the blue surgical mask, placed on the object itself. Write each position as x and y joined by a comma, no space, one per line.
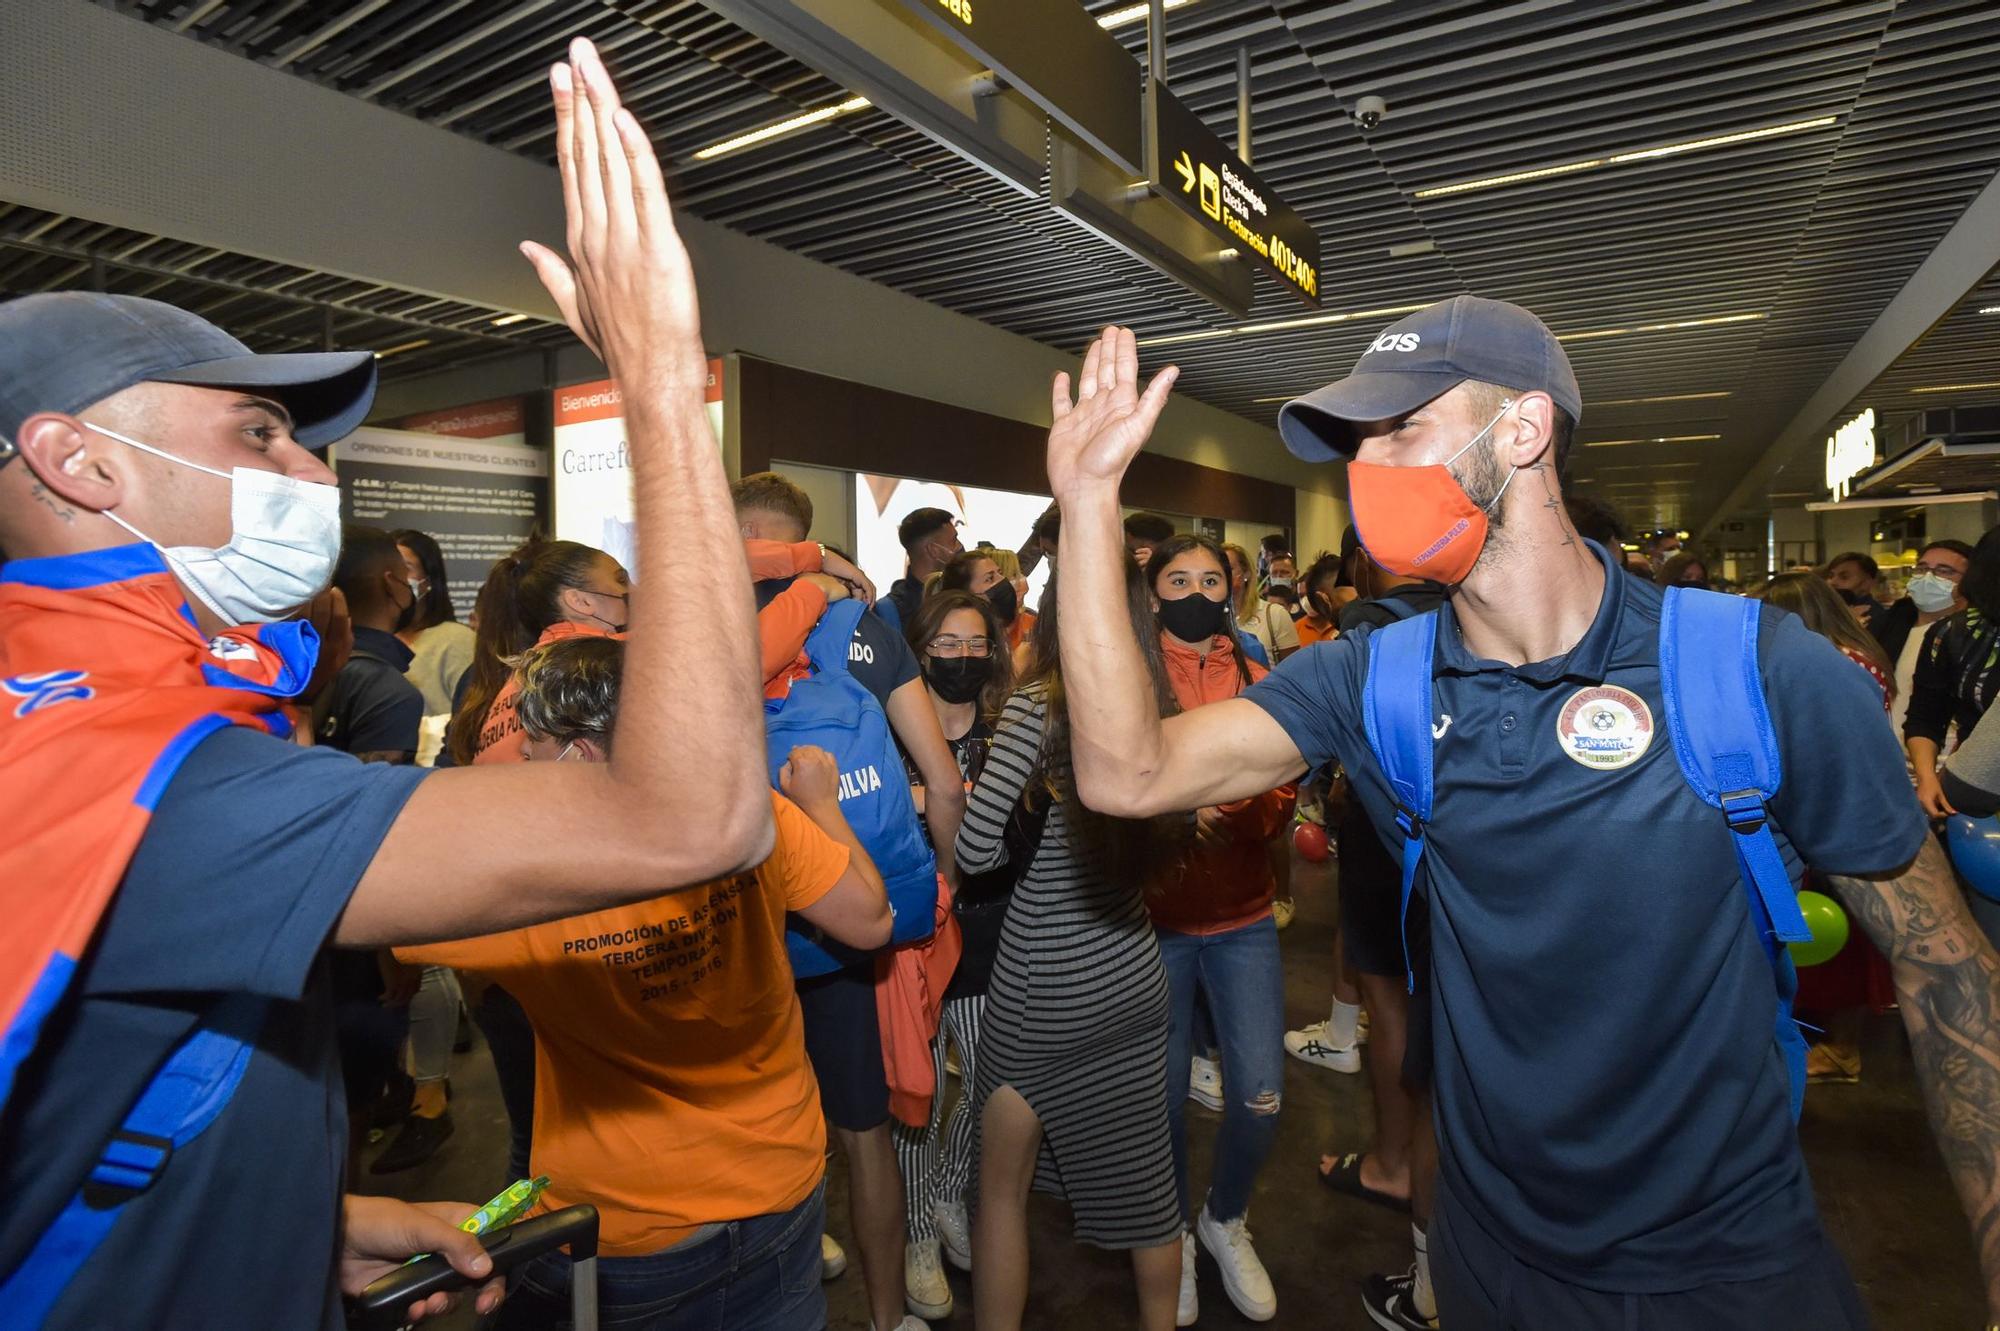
283,545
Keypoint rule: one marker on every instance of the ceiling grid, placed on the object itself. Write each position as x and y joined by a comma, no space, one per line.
1812,231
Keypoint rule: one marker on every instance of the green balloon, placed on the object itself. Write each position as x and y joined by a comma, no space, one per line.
1828,923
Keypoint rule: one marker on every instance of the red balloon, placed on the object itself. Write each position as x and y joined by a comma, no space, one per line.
1309,839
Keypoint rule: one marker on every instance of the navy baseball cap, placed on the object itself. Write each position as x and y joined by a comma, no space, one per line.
1423,355
64,350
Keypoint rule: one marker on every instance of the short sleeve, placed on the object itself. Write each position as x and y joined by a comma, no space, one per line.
880,659
805,863
250,858
1284,633
1314,695
1845,802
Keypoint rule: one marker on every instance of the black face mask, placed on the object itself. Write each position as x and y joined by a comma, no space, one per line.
1194,618
1853,597
1005,601
958,678
408,614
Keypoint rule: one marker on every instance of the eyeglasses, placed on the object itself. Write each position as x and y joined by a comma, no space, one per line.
1945,571
954,647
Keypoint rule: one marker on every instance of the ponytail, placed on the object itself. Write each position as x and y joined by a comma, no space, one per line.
520,599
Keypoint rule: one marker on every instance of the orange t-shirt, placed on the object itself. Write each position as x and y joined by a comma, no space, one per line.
671,1084
1313,629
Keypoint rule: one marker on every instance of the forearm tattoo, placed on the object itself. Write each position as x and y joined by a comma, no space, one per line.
1948,984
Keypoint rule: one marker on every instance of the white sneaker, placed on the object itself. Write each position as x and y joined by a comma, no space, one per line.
1308,1045
907,1324
832,1260
955,1233
1190,1307
1244,1278
1205,1083
925,1291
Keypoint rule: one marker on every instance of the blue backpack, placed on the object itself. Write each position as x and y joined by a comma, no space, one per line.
834,711
1721,729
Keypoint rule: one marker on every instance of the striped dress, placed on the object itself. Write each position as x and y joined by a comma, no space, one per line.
1076,1015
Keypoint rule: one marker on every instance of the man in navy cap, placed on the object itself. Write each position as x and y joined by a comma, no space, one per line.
1616,1143
171,869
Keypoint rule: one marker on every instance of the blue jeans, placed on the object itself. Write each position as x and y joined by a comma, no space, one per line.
1240,975
760,1274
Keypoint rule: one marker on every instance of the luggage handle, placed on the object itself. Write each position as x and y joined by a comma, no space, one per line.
385,1301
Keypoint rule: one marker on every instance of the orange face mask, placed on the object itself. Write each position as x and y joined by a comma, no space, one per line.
1418,521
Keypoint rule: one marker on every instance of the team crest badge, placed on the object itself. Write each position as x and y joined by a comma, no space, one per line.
1605,727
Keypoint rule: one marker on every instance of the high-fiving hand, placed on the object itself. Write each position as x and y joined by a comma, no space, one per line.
1096,437
627,289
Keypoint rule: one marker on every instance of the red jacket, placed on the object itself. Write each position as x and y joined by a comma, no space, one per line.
1213,889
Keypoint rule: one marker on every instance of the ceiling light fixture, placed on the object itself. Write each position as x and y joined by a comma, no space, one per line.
507,320
1119,18
1619,159
1956,388
1675,326
782,128
400,347
1664,397
1280,325
1656,439
1991,309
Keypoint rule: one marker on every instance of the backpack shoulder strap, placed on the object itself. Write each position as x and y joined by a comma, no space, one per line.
827,644
186,1095
1723,737
1728,753
1396,715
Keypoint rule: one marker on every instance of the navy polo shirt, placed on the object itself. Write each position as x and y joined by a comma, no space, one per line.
1612,1104
374,708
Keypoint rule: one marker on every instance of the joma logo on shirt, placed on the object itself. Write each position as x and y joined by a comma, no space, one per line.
861,781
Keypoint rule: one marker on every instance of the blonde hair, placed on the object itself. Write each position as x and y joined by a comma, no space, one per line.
1006,561
1240,600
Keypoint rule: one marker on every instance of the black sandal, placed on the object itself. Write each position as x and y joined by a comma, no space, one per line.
1345,1178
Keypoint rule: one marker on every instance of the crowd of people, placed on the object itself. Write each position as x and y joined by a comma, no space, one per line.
746,860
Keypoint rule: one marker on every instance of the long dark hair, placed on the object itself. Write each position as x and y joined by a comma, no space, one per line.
436,606
1807,596
1165,553
930,619
1129,849
521,598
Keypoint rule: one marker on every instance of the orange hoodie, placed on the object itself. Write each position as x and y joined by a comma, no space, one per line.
1214,889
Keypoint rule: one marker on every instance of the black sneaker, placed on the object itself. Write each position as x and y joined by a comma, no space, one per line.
417,1142
1388,1301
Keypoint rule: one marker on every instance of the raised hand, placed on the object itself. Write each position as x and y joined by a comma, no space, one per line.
1095,437
627,288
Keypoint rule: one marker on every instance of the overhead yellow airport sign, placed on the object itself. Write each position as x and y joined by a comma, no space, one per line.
1191,166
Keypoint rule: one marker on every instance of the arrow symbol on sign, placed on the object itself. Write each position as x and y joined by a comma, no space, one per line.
1186,170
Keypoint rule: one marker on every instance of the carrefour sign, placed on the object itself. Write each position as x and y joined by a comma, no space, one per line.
1850,450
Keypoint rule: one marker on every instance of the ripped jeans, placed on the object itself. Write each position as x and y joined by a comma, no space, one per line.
1239,974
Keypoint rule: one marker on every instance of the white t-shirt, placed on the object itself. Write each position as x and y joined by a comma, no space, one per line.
1271,625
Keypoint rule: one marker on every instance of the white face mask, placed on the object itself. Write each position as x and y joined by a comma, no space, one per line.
1932,593
284,543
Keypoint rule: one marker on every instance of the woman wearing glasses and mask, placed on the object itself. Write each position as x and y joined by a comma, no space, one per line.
961,642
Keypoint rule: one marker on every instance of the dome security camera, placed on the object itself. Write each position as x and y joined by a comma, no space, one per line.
1368,111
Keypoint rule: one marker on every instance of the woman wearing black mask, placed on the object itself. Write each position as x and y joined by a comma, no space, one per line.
976,571
958,638
1213,910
